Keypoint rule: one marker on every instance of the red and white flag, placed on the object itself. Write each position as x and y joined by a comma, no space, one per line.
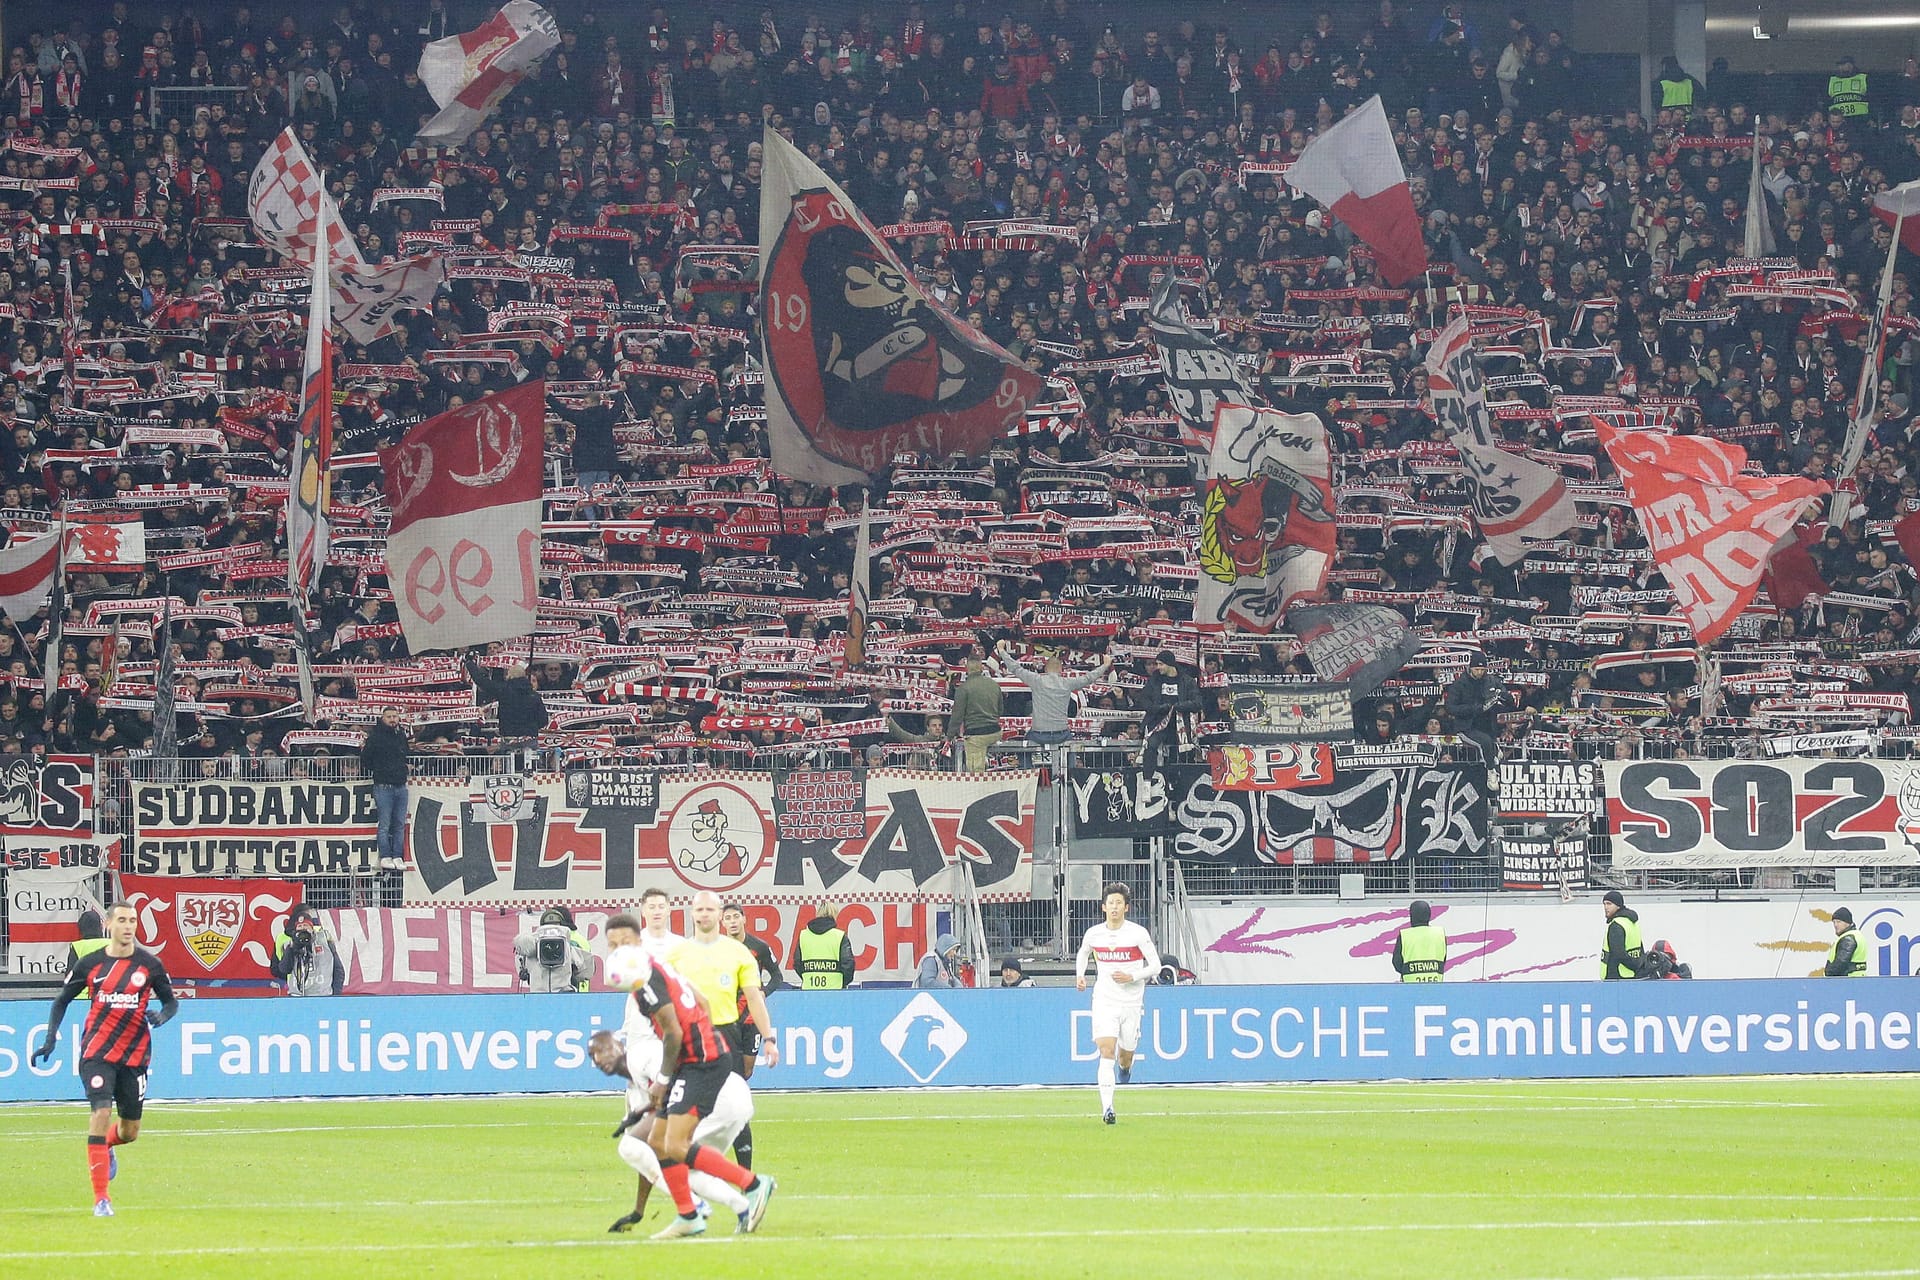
290,207
1513,498
96,542
368,300
26,575
469,74
463,550
1354,170
1899,207
312,461
1712,529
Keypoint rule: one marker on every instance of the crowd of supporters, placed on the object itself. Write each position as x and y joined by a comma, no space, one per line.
588,223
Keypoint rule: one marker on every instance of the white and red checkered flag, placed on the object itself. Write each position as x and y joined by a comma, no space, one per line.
368,301
463,550
291,209
470,73
112,541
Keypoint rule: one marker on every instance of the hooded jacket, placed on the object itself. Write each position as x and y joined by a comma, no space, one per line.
936,969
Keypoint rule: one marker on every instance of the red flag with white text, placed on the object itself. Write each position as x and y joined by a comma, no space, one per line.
463,550
1712,529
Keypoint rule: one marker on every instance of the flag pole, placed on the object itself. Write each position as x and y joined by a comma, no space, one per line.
1866,397
860,587
50,669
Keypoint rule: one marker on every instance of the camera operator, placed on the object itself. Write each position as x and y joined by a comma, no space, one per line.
305,958
551,957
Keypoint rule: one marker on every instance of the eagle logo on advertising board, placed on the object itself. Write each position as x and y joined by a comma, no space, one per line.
718,837
209,924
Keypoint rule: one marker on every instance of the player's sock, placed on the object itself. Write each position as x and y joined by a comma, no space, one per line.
713,1164
711,1188
675,1176
743,1147
97,1165
641,1159
1106,1084
113,1135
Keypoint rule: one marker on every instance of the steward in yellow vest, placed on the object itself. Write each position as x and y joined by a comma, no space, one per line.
1847,92
1847,957
1420,952
1620,957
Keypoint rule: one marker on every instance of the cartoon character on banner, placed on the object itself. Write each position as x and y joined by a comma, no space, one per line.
711,852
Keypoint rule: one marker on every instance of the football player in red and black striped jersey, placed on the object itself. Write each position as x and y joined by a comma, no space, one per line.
116,1045
695,1064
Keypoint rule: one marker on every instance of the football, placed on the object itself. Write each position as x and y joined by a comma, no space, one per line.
628,967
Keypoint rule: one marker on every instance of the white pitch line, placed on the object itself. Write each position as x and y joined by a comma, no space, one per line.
986,1117
1116,1233
947,1196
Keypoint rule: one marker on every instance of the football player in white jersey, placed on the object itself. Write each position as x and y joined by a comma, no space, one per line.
651,935
718,1130
1125,961
641,1051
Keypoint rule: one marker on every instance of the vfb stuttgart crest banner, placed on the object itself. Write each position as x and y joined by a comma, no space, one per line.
209,929
861,364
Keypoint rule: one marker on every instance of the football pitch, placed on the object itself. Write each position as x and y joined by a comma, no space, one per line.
1644,1178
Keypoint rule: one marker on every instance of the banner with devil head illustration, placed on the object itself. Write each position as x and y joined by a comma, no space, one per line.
1267,533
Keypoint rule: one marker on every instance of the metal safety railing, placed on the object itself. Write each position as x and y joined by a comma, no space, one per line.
182,102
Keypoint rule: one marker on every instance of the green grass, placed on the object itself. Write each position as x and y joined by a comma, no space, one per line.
1700,1178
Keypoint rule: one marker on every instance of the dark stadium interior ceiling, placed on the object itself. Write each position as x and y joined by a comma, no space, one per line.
1811,35
1800,35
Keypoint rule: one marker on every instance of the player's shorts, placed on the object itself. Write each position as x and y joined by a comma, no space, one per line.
745,1039
108,1084
1114,1021
731,1112
696,1087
